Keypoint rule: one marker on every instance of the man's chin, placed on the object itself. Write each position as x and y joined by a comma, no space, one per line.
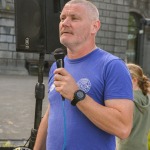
64,42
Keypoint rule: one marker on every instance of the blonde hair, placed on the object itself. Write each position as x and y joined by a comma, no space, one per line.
137,72
91,8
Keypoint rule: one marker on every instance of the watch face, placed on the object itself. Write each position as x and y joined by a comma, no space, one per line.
80,94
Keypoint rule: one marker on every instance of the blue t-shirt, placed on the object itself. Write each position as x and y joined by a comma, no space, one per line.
102,76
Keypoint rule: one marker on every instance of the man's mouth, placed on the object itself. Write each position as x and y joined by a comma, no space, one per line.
65,32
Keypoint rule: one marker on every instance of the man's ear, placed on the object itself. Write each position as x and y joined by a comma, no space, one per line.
96,26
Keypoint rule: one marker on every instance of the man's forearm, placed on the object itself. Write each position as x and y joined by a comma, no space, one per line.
40,143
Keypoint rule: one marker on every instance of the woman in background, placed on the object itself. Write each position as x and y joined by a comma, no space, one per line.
138,139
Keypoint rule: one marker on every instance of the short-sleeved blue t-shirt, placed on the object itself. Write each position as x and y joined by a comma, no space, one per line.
102,76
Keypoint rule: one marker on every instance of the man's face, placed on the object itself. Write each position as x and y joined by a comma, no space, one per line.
75,25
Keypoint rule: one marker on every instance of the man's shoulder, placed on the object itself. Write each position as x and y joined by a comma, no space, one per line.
106,57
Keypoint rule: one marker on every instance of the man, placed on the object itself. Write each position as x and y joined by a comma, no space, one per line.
95,84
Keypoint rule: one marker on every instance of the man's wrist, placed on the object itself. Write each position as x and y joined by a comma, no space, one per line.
79,95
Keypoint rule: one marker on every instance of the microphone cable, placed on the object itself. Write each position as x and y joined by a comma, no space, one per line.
59,55
65,125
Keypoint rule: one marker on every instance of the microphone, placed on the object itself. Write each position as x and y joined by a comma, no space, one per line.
59,55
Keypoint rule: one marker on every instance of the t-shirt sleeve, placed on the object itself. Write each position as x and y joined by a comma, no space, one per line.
51,74
118,84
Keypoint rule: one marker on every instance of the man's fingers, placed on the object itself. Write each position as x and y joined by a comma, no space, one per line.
61,71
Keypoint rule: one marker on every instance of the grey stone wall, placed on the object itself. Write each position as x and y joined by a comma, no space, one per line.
114,29
112,36
142,7
10,62
7,30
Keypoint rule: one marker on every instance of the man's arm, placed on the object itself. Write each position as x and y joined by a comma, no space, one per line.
40,143
115,117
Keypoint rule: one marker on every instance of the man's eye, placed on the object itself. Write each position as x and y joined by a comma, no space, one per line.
74,18
62,19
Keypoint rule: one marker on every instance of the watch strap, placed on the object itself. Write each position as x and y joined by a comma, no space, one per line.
78,96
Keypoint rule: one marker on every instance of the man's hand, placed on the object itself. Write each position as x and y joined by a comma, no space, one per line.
64,83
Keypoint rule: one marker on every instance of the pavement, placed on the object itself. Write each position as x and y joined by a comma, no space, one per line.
17,106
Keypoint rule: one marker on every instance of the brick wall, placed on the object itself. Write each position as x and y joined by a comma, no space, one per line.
112,36
114,29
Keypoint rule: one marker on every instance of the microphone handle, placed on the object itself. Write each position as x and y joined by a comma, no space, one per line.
60,64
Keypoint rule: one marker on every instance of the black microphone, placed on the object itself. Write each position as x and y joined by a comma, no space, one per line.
59,55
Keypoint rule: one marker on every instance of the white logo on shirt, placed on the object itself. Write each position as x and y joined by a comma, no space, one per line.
84,84
52,87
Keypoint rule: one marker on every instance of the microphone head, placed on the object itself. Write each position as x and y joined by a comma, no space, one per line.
59,53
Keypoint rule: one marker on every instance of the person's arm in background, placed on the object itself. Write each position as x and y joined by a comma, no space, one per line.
40,143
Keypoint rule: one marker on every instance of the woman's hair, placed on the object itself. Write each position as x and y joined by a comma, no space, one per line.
143,81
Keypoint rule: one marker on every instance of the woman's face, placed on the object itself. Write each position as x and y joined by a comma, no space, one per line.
135,83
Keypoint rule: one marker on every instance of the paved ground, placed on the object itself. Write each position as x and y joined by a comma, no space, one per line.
17,105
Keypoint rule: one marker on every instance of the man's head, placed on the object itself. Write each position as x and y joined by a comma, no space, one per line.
92,10
79,23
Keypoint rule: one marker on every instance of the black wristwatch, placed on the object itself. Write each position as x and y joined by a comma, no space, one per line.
78,96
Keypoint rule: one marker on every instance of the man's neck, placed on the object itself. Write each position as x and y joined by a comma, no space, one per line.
80,52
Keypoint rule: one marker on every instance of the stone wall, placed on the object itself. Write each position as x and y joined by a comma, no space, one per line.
10,62
142,8
112,36
114,30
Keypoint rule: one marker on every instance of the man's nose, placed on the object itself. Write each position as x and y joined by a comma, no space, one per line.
66,22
